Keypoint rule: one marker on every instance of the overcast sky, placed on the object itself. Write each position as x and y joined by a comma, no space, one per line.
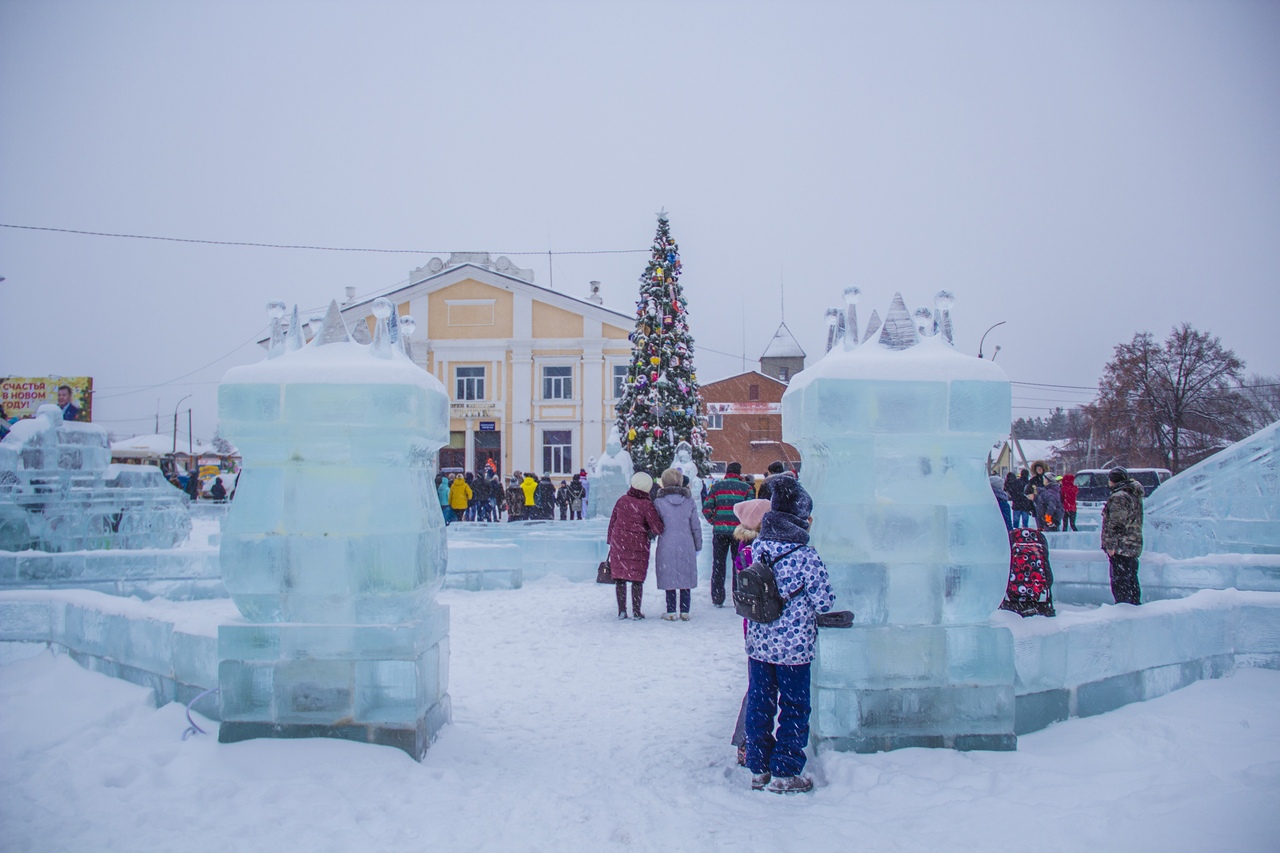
1082,171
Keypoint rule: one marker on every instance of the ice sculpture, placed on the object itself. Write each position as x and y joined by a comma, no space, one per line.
684,463
59,492
611,478
894,436
334,547
1226,504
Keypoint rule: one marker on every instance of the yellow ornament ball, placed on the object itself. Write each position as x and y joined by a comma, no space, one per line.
631,434
654,360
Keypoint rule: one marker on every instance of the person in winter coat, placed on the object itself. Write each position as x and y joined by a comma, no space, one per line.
1122,535
1002,498
1048,503
1069,493
544,499
676,560
460,495
1039,473
218,491
473,500
779,653
562,500
1018,500
718,508
530,486
577,497
442,493
515,498
632,524
749,514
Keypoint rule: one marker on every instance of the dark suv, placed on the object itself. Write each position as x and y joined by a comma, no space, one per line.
1094,492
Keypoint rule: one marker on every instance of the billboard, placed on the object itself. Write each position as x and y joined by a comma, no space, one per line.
22,395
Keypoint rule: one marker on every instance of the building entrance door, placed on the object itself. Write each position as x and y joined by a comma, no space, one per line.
488,447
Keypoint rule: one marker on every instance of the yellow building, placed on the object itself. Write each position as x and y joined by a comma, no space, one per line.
533,374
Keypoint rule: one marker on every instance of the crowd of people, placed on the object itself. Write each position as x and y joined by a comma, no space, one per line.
1040,495
523,497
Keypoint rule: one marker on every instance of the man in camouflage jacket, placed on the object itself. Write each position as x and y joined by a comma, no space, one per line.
1122,535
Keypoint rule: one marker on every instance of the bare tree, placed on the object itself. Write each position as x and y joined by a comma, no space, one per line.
1262,397
1169,404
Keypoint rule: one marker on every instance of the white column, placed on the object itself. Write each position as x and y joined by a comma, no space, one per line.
469,442
521,407
591,441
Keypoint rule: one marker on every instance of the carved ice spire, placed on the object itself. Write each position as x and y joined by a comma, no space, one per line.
382,309
833,322
924,322
407,327
332,330
275,310
942,317
899,330
872,324
851,295
295,337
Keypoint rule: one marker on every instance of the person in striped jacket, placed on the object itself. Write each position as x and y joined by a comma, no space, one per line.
718,508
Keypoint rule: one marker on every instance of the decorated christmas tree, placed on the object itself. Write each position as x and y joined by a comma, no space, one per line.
659,406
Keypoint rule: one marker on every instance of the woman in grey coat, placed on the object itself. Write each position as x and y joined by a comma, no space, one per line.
676,560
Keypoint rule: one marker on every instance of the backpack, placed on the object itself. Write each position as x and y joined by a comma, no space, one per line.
756,596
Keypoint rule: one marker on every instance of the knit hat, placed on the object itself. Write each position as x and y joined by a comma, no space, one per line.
749,513
642,481
996,482
1118,475
790,497
672,478
733,468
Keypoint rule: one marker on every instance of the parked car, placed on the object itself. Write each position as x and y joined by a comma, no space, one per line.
1092,483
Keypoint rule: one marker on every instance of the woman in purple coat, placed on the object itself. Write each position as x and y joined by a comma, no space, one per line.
633,523
676,562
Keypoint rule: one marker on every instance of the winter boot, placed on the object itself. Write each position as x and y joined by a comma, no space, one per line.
670,617
790,785
759,781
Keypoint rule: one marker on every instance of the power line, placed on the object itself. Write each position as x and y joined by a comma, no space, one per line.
306,247
251,340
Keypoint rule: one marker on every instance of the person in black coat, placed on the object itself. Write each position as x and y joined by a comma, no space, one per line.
218,492
544,499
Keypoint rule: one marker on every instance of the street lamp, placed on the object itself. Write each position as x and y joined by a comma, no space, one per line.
175,423
984,337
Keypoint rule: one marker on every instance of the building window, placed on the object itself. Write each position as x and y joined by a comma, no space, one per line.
557,382
557,451
470,383
715,421
784,373
619,380
753,392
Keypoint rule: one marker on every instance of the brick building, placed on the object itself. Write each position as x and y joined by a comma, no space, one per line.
744,422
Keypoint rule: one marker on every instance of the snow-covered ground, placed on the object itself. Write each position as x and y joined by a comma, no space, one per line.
575,732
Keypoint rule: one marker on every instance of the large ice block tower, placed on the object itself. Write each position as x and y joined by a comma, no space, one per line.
894,434
334,548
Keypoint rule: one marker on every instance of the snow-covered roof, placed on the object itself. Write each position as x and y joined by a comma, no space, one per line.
155,446
1034,448
783,345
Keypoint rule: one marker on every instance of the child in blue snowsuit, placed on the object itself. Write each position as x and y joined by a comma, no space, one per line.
780,653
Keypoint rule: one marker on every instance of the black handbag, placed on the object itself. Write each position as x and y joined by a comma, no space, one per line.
603,573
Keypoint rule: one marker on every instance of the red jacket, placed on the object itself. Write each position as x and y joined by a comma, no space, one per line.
633,523
1069,492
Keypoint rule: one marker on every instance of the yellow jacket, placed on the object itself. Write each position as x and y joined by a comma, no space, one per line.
529,485
459,494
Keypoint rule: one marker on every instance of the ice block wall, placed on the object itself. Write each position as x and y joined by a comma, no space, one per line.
59,492
334,548
894,434
1226,504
